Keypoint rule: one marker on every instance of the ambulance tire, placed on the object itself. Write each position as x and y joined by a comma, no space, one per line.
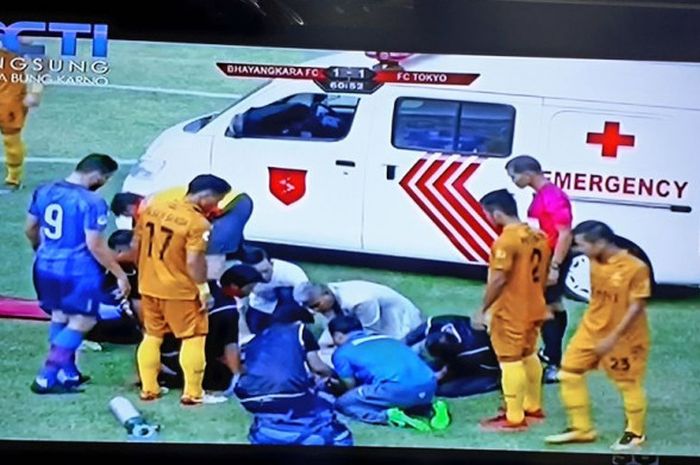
577,284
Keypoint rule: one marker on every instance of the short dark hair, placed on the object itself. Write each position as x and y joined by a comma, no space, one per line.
593,231
344,324
123,200
97,162
240,276
254,255
501,200
208,182
524,163
120,237
442,345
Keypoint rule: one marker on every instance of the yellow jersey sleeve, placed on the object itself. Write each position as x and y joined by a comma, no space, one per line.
198,236
640,284
503,253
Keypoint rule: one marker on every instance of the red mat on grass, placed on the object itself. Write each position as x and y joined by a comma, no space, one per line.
21,308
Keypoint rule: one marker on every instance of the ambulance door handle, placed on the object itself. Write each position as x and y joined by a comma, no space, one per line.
349,163
390,172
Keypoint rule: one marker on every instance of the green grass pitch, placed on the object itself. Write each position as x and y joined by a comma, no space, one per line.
74,121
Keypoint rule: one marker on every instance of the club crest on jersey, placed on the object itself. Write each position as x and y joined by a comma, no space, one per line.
287,185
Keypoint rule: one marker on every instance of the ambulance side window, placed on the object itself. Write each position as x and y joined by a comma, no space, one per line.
314,117
453,126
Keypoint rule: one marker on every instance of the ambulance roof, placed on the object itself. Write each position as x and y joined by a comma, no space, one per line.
663,84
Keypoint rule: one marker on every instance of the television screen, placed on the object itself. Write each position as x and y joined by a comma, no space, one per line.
243,245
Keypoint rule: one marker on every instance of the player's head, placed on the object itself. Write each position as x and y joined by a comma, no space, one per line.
120,240
341,327
593,238
258,259
522,169
126,204
500,207
95,170
314,296
207,190
239,280
442,346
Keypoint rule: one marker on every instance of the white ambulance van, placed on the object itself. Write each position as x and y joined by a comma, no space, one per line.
399,171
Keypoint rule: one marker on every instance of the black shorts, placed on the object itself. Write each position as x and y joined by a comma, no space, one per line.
555,292
223,330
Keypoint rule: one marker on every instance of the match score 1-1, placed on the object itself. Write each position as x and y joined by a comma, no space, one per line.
350,80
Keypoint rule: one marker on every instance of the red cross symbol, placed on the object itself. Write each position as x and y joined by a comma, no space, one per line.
610,139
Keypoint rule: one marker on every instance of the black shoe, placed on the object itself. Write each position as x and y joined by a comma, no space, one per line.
82,379
57,388
550,374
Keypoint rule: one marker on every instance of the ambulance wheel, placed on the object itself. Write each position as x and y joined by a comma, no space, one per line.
577,285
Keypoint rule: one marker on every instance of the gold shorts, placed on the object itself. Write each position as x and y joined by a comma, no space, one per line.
513,342
183,318
626,362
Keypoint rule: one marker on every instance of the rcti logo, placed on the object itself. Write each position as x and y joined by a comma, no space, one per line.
10,37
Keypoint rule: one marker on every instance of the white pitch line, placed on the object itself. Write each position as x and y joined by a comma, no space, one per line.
159,90
71,160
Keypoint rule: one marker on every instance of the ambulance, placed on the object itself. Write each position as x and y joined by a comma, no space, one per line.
395,166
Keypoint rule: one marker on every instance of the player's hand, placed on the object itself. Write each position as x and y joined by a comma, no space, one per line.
553,277
605,346
124,288
206,300
335,387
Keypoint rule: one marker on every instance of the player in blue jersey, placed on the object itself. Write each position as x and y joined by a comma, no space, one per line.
387,382
65,223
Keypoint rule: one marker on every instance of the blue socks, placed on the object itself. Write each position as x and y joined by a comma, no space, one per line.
60,362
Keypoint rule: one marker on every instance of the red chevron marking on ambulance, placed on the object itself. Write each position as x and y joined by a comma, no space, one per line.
437,184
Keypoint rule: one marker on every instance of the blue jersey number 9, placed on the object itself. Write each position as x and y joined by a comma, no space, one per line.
53,217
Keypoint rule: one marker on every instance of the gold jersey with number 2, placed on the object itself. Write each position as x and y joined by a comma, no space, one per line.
523,254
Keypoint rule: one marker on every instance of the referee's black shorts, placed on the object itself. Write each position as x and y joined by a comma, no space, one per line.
554,293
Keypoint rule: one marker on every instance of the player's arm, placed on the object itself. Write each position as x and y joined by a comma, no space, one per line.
95,224
197,266
494,287
561,249
197,239
560,211
501,261
343,369
196,245
369,313
97,245
232,358
31,230
312,358
416,335
232,353
31,225
640,290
